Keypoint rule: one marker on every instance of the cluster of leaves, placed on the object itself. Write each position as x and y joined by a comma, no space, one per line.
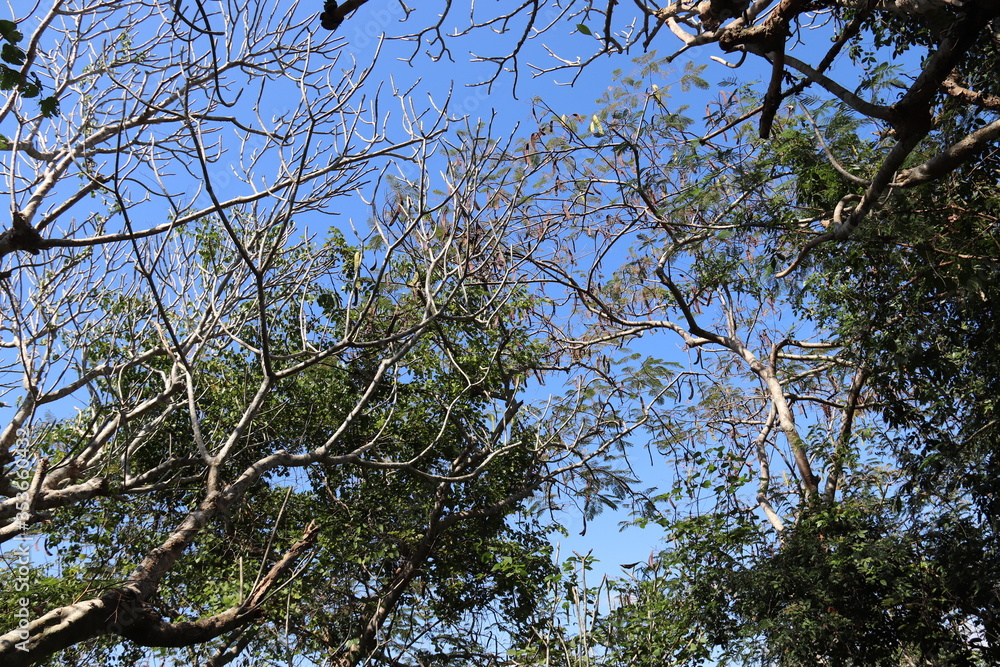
12,70
846,586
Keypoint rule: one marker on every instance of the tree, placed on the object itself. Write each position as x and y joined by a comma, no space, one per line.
20,80
193,330
950,44
829,273
898,312
804,525
234,436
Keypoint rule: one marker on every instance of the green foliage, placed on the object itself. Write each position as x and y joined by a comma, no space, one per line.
845,586
475,554
885,554
842,590
12,74
894,563
679,610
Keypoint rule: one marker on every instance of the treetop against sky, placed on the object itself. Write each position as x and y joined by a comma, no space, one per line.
281,281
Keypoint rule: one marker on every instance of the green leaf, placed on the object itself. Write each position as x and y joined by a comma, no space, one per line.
12,54
49,106
9,32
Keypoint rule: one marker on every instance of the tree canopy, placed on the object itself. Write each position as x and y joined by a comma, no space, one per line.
300,369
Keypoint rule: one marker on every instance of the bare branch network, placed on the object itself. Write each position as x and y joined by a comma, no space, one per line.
273,333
